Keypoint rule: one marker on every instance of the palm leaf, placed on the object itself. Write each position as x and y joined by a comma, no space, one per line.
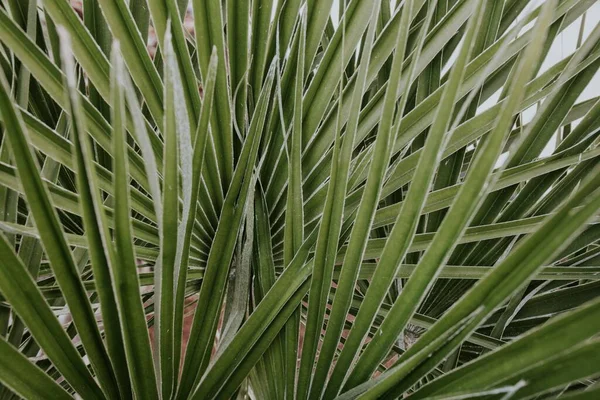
311,199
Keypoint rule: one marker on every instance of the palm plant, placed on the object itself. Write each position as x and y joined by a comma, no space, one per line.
320,199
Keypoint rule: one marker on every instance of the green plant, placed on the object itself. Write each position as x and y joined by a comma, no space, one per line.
353,208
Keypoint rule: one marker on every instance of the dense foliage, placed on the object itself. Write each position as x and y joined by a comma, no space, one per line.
298,199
